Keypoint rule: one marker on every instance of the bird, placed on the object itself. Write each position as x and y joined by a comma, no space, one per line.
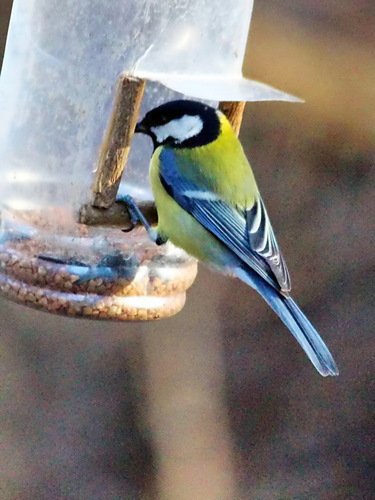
208,203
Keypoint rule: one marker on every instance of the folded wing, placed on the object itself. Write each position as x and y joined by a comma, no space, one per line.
247,233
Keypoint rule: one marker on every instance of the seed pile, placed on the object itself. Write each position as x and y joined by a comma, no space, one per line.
131,279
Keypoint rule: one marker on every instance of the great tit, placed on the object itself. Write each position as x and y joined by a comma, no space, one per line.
208,204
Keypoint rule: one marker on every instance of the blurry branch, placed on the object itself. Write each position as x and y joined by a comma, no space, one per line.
187,415
333,73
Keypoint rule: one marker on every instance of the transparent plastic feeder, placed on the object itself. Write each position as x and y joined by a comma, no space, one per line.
57,88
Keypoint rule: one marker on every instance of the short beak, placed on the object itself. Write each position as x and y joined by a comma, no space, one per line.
141,129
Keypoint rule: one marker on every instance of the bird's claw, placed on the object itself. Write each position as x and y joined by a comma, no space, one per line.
132,209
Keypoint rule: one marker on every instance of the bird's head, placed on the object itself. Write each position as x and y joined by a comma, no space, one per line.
181,124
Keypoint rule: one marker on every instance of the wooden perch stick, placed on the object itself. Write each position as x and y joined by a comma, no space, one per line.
234,112
116,215
116,144
104,210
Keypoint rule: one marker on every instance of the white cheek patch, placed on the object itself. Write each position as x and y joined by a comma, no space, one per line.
180,129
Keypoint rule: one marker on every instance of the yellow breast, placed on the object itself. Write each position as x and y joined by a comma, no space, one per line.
179,226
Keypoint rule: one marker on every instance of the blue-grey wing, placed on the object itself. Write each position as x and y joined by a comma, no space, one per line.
228,224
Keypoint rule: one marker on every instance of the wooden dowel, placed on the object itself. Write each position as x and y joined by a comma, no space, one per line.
116,144
104,210
234,112
116,215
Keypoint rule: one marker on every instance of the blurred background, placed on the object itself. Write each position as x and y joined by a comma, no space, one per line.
221,398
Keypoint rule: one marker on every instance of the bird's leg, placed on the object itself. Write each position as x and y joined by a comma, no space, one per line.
136,216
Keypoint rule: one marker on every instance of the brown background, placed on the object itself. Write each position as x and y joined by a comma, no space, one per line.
72,395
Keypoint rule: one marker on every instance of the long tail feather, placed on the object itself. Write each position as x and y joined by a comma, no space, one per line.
295,320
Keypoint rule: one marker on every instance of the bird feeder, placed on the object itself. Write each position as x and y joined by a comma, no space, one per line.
75,77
